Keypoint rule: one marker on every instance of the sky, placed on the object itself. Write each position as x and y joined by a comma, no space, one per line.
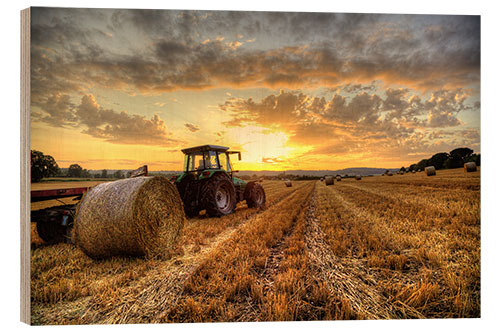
116,89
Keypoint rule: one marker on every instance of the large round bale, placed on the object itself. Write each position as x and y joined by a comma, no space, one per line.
430,171
328,180
338,178
470,167
288,183
358,177
140,216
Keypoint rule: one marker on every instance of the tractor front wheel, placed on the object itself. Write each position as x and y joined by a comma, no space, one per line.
254,195
219,195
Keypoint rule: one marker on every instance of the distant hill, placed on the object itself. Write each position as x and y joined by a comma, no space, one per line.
319,173
314,173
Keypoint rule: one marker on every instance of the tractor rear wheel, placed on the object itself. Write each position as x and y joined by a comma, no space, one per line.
218,195
255,195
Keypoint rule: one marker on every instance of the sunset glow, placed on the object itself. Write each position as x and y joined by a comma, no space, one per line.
116,89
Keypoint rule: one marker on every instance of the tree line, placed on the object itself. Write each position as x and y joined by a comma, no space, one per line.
454,159
44,166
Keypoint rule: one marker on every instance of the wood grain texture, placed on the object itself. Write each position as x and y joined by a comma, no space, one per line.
25,176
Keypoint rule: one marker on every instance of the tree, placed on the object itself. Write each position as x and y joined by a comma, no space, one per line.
42,166
75,171
118,174
422,164
85,173
476,158
403,169
458,157
438,160
412,167
104,173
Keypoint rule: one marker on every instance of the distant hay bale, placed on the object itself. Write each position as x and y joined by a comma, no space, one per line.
413,171
140,216
358,177
389,173
328,180
288,183
338,178
470,167
430,171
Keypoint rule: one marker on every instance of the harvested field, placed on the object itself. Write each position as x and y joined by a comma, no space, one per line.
385,247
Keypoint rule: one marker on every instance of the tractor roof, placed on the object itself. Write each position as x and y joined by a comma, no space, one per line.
205,148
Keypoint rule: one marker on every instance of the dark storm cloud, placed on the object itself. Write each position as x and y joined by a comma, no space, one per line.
314,49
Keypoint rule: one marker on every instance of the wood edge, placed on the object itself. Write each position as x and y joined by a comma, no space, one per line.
25,230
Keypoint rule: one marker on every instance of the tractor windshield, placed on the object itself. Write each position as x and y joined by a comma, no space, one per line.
195,162
201,161
225,164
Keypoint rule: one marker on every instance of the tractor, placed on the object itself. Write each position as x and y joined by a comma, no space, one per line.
208,182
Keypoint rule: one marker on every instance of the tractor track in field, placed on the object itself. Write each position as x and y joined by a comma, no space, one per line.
154,294
273,261
346,278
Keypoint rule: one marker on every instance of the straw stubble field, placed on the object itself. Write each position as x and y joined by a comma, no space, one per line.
406,246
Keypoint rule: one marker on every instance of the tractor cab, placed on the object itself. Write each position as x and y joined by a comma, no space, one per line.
208,159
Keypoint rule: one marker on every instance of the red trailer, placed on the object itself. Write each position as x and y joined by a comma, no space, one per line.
54,224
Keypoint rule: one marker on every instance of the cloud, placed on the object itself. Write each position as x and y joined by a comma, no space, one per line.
395,120
390,80
106,124
58,111
192,128
120,127
172,51
272,160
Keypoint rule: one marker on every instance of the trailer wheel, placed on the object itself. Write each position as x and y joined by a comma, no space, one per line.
51,232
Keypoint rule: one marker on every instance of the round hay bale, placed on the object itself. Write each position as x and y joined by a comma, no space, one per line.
328,180
389,173
140,216
338,178
413,171
288,183
470,167
430,171
358,177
